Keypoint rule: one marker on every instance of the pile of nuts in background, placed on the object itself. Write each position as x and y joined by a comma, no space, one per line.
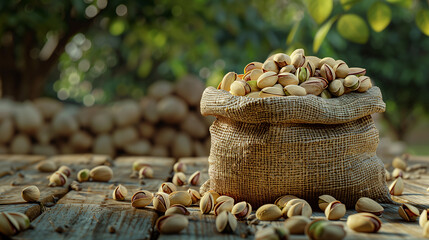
166,122
296,75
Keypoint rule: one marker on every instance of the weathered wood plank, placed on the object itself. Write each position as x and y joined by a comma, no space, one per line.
9,164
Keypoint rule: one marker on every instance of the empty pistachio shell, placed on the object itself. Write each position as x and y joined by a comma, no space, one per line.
253,94
241,210
268,212
206,203
426,230
167,187
324,230
368,205
227,80
408,212
324,201
424,217
171,223
120,192
145,172
357,71
22,220
239,88
293,90
398,162
270,66
327,72
282,59
161,201
179,167
281,201
271,92
65,170
46,166
336,87
364,222
101,174
30,194
177,209
287,79
141,199
138,164
195,195
302,73
315,85
180,197
327,60
8,225
83,175
296,224
225,222
253,65
57,179
271,232
223,206
397,187
179,179
194,179
288,69
351,82
341,69
299,209
335,210
298,60
365,84
267,79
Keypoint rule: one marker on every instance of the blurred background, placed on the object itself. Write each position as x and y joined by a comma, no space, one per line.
125,77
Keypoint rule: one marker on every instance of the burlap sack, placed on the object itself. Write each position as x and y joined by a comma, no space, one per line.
305,146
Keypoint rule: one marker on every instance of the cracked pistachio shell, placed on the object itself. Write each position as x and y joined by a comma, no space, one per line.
365,84
101,174
327,60
357,71
240,88
253,86
253,94
336,87
299,209
272,232
397,173
297,51
223,206
408,212
282,59
180,197
141,199
302,73
146,172
267,79
287,79
167,187
46,166
179,167
225,222
214,194
294,90
161,201
326,94
424,217
289,204
321,229
324,201
341,69
268,212
314,60
22,220
288,69
65,170
195,195
179,179
271,92
398,162
351,82
315,85
224,198
310,66
120,192
8,225
138,164
296,224
227,80
83,175
194,179
251,66
57,179
426,230
397,187
171,224
241,210
30,194
327,72
206,203
270,66
335,210
368,205
281,201
364,222
298,60
177,209
253,75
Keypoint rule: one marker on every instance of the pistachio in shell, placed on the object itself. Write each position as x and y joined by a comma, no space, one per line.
365,84
336,87
46,166
161,201
327,72
215,195
283,200
310,67
341,69
195,195
253,86
253,65
368,205
171,224
83,175
328,61
282,59
320,229
101,174
272,232
179,179
179,167
145,172
253,94
268,212
57,179
426,230
207,203
399,163
397,187
194,179
167,187
180,197
351,82
22,220
326,94
364,222
227,80
408,212
138,164
141,199
296,224
223,206
252,75
267,79
271,92
8,225
177,209
287,79
302,73
289,204
335,210
424,217
297,51
240,88
30,194
324,201
120,192
315,85
288,69
225,222
299,209
298,60
65,170
293,90
314,60
241,210
270,66
357,71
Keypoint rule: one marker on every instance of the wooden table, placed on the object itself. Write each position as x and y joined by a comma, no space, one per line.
88,214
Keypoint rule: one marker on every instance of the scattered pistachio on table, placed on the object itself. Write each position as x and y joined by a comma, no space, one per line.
177,209
194,179
424,217
281,201
272,232
324,201
179,167
167,187
179,179
195,195
145,172
397,187
368,205
171,224
206,203
241,210
296,224
324,230
46,166
13,222
120,192
83,175
268,212
30,194
180,197
65,170
161,201
223,206
408,212
141,199
364,222
335,210
226,222
57,179
101,174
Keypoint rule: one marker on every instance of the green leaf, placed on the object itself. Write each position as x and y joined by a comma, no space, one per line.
347,4
379,16
403,3
422,20
320,9
321,34
292,33
353,28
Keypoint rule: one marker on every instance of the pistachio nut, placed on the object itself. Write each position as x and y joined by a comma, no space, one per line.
296,224
298,60
336,87
83,175
253,86
299,209
357,71
120,192
297,51
224,198
253,94
272,232
138,164
267,79
179,167
327,72
101,174
223,206
424,217
141,199
326,94
161,201
426,230
46,166
253,65
167,187
320,229
225,222
341,69
65,170
364,222
270,66
397,187
241,210
194,179
327,60
253,75
325,200
288,69
289,204
335,210
180,197
281,201
282,59
365,84
57,179
398,162
22,220
271,92
408,212
171,224
317,73
177,209
214,194
240,88
179,179
146,172
294,90
387,175
302,73
314,61
311,67
287,79
351,82
207,203
227,80
397,172
195,195
368,205
315,85
30,194
268,212
8,225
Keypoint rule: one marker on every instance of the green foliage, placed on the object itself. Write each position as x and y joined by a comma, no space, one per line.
353,28
320,9
422,20
379,16
321,34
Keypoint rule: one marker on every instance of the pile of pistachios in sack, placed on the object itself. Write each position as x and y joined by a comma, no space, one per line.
296,75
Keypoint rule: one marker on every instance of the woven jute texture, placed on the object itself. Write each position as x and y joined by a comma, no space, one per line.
305,146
